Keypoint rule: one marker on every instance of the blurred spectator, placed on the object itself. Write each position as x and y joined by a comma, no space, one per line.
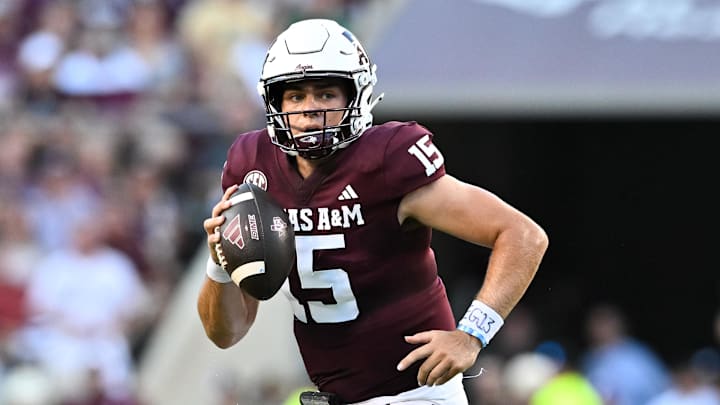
568,386
57,202
694,382
8,44
338,10
18,140
99,65
143,221
95,394
105,13
18,253
27,385
123,233
158,216
151,41
524,374
95,152
247,54
210,28
40,52
155,141
706,361
220,35
85,304
625,371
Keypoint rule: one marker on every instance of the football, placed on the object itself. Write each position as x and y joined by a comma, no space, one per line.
257,242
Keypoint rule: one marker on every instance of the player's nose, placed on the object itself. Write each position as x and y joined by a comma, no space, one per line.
310,106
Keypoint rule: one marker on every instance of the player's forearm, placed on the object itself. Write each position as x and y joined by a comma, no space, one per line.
513,263
226,312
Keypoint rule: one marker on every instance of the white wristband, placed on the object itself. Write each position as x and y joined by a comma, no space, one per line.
481,321
216,273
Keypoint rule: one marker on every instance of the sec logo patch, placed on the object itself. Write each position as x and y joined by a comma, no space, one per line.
257,178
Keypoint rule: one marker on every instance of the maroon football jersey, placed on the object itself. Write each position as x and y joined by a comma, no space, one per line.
362,282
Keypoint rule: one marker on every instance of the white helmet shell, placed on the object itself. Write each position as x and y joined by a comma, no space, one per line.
311,49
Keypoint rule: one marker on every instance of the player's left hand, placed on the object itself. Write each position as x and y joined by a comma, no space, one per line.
446,354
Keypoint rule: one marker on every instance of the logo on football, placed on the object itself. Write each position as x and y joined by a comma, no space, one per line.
257,245
233,233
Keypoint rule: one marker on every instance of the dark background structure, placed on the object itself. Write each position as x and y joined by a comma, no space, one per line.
630,207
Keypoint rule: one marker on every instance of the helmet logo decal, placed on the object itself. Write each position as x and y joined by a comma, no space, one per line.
349,36
303,67
257,178
362,58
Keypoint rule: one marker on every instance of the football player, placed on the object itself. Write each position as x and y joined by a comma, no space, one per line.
372,317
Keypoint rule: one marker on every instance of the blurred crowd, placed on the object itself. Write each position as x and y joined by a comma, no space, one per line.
115,116
605,364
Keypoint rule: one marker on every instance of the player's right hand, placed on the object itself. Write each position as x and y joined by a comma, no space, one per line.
212,224
443,354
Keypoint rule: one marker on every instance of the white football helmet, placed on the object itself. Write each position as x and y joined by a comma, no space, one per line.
313,49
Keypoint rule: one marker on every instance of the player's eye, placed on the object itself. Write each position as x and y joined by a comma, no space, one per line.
328,95
294,97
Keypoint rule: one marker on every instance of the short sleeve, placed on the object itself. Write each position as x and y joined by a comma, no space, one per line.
411,159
